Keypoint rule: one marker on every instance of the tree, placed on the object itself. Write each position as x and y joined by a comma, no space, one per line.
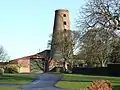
114,54
39,61
37,65
96,47
100,14
3,55
66,42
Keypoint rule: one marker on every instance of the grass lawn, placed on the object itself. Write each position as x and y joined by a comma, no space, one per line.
77,81
16,78
8,88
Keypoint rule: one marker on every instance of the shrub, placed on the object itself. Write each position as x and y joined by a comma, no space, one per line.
11,69
68,71
100,85
1,71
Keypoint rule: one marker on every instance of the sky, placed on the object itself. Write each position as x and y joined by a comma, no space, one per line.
26,25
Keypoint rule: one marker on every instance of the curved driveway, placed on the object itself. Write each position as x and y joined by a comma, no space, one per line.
44,81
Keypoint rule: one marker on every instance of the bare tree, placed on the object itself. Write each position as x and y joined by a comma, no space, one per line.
100,14
66,43
96,47
114,54
37,65
3,55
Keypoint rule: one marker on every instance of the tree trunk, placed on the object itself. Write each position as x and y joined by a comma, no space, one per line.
102,64
65,67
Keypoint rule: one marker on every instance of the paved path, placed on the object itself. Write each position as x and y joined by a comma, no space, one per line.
44,82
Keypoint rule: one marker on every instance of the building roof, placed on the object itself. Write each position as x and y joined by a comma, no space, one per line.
37,55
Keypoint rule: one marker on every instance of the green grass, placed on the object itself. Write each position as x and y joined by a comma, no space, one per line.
16,78
8,88
56,73
77,81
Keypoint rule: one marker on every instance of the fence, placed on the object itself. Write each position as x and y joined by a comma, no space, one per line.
110,70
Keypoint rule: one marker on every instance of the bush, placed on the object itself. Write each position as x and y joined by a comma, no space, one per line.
68,71
100,85
1,71
11,69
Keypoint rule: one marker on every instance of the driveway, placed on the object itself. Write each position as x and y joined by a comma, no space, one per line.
44,81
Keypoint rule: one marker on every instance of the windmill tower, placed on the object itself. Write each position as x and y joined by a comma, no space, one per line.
61,23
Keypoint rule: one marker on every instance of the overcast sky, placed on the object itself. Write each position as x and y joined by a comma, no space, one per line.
25,25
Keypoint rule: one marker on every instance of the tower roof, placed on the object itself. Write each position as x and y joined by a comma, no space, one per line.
61,10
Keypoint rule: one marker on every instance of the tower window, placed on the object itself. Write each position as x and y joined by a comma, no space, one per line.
65,30
64,15
64,23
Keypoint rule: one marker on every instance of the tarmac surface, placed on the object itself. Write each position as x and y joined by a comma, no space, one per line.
45,81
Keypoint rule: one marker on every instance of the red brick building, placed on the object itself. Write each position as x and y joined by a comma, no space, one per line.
24,63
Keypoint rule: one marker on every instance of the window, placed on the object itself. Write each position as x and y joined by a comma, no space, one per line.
65,30
64,15
64,23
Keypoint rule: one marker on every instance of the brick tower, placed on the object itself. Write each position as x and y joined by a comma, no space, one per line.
61,22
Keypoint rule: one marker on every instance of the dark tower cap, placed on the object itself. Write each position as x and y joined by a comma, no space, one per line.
61,10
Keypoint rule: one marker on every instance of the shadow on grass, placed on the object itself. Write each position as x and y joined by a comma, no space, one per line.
116,87
16,79
89,81
108,75
78,80
79,77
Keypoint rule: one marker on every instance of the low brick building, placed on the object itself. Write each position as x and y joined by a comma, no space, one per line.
25,64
